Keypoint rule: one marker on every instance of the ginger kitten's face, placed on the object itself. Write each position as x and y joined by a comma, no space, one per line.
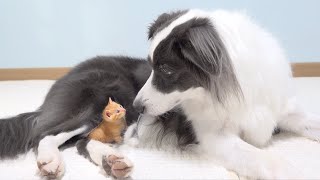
113,111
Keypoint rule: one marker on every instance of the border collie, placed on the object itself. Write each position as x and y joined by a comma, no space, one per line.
231,80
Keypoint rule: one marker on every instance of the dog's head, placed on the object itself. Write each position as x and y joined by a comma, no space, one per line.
189,60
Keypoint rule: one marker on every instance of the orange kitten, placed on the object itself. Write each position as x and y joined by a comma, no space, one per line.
113,123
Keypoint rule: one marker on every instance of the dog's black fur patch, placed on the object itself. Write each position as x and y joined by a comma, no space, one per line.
174,123
82,148
15,133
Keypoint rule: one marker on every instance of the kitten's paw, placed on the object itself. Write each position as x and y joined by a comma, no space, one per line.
118,166
118,140
50,164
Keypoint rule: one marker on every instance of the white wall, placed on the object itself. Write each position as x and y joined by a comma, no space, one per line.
45,33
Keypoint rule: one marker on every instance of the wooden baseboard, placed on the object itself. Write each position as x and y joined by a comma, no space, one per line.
310,69
33,73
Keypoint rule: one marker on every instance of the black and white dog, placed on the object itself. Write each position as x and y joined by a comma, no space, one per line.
231,80
218,82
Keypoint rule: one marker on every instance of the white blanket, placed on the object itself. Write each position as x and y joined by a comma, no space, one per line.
22,96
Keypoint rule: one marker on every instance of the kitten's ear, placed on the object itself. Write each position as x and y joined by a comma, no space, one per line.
110,100
108,114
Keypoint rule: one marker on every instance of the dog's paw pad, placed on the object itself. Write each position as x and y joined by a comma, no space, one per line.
111,159
122,168
50,167
117,166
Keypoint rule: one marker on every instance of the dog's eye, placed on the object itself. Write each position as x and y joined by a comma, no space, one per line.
164,68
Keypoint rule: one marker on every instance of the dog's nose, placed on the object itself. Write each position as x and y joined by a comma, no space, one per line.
138,106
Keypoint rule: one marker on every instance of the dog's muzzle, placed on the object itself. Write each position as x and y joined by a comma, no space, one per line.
138,106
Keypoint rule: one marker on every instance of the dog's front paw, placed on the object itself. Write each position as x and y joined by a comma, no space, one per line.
118,166
50,164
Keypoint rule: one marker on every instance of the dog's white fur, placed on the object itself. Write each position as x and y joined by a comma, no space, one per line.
98,150
49,158
232,133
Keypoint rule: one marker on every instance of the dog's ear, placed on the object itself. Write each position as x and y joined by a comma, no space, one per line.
202,46
110,100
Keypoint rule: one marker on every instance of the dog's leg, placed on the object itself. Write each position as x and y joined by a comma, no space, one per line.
105,156
300,122
131,136
49,159
247,160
